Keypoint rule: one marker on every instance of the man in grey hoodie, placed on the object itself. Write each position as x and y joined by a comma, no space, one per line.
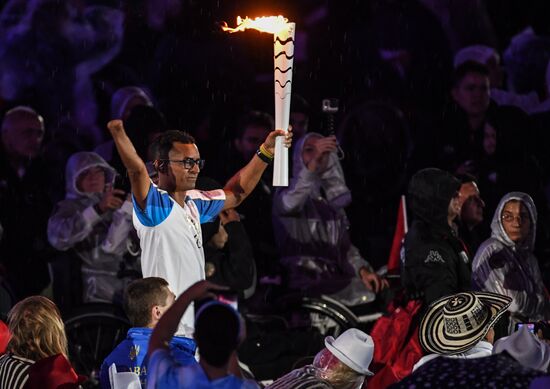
95,221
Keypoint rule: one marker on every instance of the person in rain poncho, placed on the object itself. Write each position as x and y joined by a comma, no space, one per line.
123,101
95,221
311,227
505,262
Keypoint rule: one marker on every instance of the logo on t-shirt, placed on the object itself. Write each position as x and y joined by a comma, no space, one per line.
434,256
134,352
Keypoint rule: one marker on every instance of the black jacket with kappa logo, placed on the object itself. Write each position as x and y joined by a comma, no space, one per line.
435,261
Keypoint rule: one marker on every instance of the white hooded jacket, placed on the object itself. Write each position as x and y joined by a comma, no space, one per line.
100,241
504,267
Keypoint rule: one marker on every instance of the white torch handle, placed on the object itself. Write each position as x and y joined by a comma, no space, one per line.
280,164
284,59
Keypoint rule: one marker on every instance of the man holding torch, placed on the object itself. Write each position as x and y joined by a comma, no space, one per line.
167,217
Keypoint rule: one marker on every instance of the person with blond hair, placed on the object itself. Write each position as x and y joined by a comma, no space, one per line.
342,364
37,332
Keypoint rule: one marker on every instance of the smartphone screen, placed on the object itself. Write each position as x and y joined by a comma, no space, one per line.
530,327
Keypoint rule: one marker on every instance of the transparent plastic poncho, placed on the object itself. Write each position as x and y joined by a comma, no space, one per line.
329,368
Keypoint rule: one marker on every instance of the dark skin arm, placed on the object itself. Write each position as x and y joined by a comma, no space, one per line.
243,183
137,172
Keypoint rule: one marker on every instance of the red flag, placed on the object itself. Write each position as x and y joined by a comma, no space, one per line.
4,337
401,229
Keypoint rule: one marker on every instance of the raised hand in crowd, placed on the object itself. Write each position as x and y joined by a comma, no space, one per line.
168,324
112,199
316,152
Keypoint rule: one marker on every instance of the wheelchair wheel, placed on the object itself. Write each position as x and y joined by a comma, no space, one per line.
329,316
93,331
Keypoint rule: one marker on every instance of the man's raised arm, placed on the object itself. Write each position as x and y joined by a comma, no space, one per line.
245,180
137,172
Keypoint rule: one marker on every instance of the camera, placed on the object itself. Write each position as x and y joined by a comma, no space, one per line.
330,105
330,108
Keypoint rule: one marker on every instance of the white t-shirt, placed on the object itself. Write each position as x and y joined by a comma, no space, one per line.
171,240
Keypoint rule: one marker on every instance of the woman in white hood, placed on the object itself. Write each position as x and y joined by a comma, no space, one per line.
505,262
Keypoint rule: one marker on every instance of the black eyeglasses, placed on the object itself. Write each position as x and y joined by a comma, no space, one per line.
187,163
521,218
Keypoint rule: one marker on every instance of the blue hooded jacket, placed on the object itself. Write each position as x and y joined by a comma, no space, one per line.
130,355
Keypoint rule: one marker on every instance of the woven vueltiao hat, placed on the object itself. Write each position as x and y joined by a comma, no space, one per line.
456,323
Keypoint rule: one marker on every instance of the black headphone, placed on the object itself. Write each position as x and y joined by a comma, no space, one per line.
161,166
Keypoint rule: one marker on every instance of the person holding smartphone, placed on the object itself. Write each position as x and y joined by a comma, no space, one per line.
95,222
311,227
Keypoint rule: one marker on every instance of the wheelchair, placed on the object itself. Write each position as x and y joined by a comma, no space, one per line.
93,331
326,313
285,330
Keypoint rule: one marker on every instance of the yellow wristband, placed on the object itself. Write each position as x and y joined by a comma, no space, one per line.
264,151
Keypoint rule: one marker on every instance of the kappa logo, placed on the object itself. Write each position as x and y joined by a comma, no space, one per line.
434,256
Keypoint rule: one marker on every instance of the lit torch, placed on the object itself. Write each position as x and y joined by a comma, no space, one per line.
283,44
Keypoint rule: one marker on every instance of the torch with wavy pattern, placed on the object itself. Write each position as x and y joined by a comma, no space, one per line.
283,43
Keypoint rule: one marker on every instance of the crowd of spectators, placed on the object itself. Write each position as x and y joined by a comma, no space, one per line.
110,109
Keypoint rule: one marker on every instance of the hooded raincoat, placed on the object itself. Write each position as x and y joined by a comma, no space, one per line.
502,266
119,106
99,240
435,261
311,229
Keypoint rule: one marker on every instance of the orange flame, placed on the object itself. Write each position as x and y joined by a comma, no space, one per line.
269,24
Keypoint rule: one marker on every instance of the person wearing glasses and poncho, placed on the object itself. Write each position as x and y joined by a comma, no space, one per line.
505,263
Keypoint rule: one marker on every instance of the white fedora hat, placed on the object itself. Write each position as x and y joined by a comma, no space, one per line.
353,348
525,348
